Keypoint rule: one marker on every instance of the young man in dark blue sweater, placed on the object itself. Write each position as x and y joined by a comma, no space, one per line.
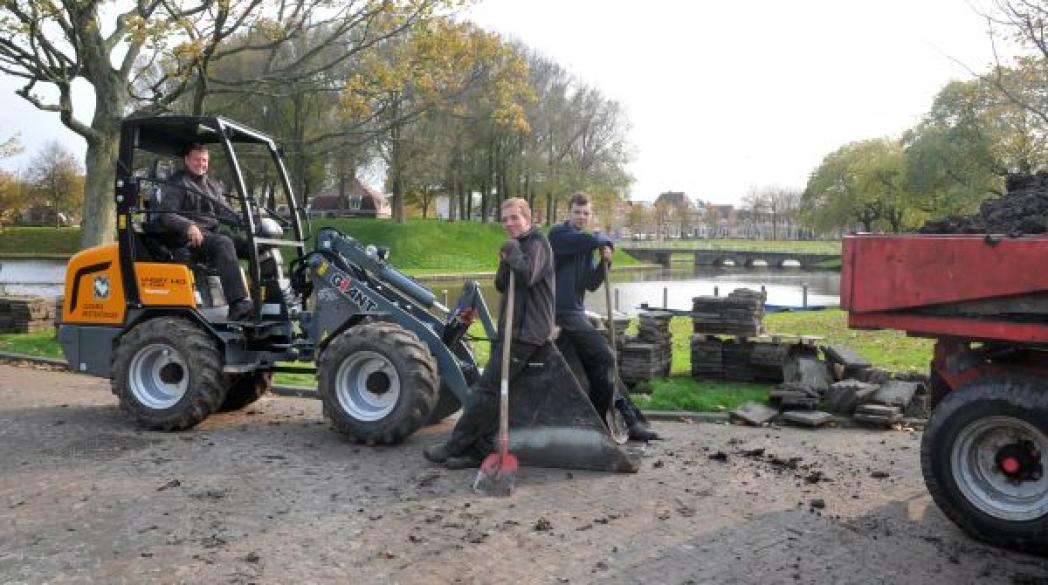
576,273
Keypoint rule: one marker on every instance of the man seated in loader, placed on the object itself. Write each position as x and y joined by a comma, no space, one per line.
576,273
191,204
527,253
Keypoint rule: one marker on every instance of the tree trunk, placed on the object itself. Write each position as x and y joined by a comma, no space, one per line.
99,220
485,193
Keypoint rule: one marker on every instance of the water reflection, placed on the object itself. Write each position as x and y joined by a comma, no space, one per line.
679,285
784,286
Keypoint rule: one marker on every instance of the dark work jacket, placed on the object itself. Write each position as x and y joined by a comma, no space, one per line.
184,195
531,260
575,269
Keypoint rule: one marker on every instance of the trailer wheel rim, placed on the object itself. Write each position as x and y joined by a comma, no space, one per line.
977,469
367,386
158,376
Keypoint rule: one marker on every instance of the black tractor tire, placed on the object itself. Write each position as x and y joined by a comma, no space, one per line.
245,389
167,373
378,383
986,417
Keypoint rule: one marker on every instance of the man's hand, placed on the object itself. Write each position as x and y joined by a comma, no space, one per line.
508,248
606,253
196,237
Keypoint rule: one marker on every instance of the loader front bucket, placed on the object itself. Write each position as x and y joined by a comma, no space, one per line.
553,423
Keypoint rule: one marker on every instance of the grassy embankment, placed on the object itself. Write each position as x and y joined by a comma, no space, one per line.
39,242
417,247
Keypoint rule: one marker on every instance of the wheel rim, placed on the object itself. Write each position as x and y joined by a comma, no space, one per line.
996,463
158,376
367,386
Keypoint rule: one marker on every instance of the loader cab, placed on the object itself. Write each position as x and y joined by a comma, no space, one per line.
156,267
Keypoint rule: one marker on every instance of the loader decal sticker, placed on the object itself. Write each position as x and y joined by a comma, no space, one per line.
101,288
343,283
366,304
322,269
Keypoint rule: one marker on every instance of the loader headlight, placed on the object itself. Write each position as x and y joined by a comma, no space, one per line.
371,250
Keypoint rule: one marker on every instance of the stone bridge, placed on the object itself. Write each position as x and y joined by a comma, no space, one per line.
724,257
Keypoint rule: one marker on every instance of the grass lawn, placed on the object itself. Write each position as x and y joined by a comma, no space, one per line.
41,344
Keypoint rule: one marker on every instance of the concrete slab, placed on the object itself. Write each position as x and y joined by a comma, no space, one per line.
807,419
896,393
754,413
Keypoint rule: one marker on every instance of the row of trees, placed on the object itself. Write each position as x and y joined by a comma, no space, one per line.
976,133
53,179
442,106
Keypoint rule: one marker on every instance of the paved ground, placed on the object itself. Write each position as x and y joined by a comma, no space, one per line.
272,495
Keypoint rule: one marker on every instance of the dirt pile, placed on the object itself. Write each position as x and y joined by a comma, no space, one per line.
1023,209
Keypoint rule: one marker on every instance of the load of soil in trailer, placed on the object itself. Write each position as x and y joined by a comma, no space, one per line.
1023,209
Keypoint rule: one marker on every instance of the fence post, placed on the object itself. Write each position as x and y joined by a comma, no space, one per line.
804,295
716,291
665,297
445,294
616,299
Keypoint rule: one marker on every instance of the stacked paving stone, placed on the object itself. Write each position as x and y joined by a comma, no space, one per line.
26,314
739,360
741,313
706,357
648,355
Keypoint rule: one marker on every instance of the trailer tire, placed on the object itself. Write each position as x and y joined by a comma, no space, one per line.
983,455
245,389
378,383
167,374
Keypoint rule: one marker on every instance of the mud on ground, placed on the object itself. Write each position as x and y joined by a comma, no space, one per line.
273,495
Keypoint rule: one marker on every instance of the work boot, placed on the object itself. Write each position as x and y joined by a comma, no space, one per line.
240,310
438,453
462,462
642,432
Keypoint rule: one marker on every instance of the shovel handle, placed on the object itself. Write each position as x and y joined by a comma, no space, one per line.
607,301
507,335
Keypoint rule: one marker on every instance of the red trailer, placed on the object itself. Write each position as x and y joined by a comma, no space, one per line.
984,299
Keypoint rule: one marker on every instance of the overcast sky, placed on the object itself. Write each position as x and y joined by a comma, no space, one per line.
722,97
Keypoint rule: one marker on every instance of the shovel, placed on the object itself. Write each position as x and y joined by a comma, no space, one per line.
498,471
616,424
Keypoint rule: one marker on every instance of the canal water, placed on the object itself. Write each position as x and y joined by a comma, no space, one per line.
785,286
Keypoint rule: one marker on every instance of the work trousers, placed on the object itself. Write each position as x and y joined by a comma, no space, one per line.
474,433
594,352
220,251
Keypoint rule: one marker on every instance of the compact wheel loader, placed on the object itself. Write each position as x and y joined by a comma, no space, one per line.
389,358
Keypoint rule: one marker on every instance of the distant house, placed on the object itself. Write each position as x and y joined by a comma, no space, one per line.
352,198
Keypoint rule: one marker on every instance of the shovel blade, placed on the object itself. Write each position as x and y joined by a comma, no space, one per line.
553,423
496,476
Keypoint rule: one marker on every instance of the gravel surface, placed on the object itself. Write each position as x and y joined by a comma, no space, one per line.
273,495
